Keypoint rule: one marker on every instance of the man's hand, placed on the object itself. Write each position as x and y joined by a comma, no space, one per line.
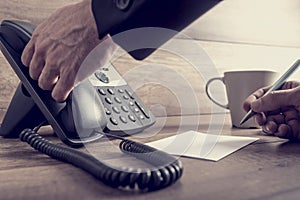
58,47
278,112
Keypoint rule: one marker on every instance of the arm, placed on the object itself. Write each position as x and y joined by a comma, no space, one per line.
61,43
168,14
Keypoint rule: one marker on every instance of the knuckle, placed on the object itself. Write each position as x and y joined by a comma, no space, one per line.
44,84
34,74
40,50
58,97
272,96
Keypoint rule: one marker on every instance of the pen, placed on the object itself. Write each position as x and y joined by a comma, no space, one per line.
277,85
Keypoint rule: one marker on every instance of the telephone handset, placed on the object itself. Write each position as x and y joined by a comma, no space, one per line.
102,104
104,99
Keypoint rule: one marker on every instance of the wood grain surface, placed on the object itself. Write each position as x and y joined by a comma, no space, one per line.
27,174
167,92
267,169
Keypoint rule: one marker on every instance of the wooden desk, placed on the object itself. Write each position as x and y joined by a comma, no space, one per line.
266,169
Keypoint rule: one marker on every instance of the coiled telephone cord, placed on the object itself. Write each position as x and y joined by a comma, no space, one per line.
169,169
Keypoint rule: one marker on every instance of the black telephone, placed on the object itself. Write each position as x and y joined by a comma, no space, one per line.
116,111
121,110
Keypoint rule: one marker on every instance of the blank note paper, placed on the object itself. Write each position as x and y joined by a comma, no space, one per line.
200,145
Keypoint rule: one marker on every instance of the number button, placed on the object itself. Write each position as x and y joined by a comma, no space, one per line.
101,91
113,121
142,117
118,100
126,97
136,110
132,118
125,108
116,109
108,100
129,94
110,91
123,119
107,111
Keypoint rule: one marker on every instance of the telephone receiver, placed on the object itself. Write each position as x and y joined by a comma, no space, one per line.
103,103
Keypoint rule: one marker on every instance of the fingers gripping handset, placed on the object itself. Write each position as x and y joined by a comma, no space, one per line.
104,102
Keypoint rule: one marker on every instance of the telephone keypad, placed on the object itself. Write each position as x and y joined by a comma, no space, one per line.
124,109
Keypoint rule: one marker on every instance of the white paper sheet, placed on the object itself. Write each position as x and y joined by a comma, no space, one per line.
200,145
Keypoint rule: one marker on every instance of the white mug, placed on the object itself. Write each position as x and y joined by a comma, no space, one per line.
239,85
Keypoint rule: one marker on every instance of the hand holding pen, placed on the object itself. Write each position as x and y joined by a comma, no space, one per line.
281,106
277,85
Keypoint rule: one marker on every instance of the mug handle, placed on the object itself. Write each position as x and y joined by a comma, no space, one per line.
208,93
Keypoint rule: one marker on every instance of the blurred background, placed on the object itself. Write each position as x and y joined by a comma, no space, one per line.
236,34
